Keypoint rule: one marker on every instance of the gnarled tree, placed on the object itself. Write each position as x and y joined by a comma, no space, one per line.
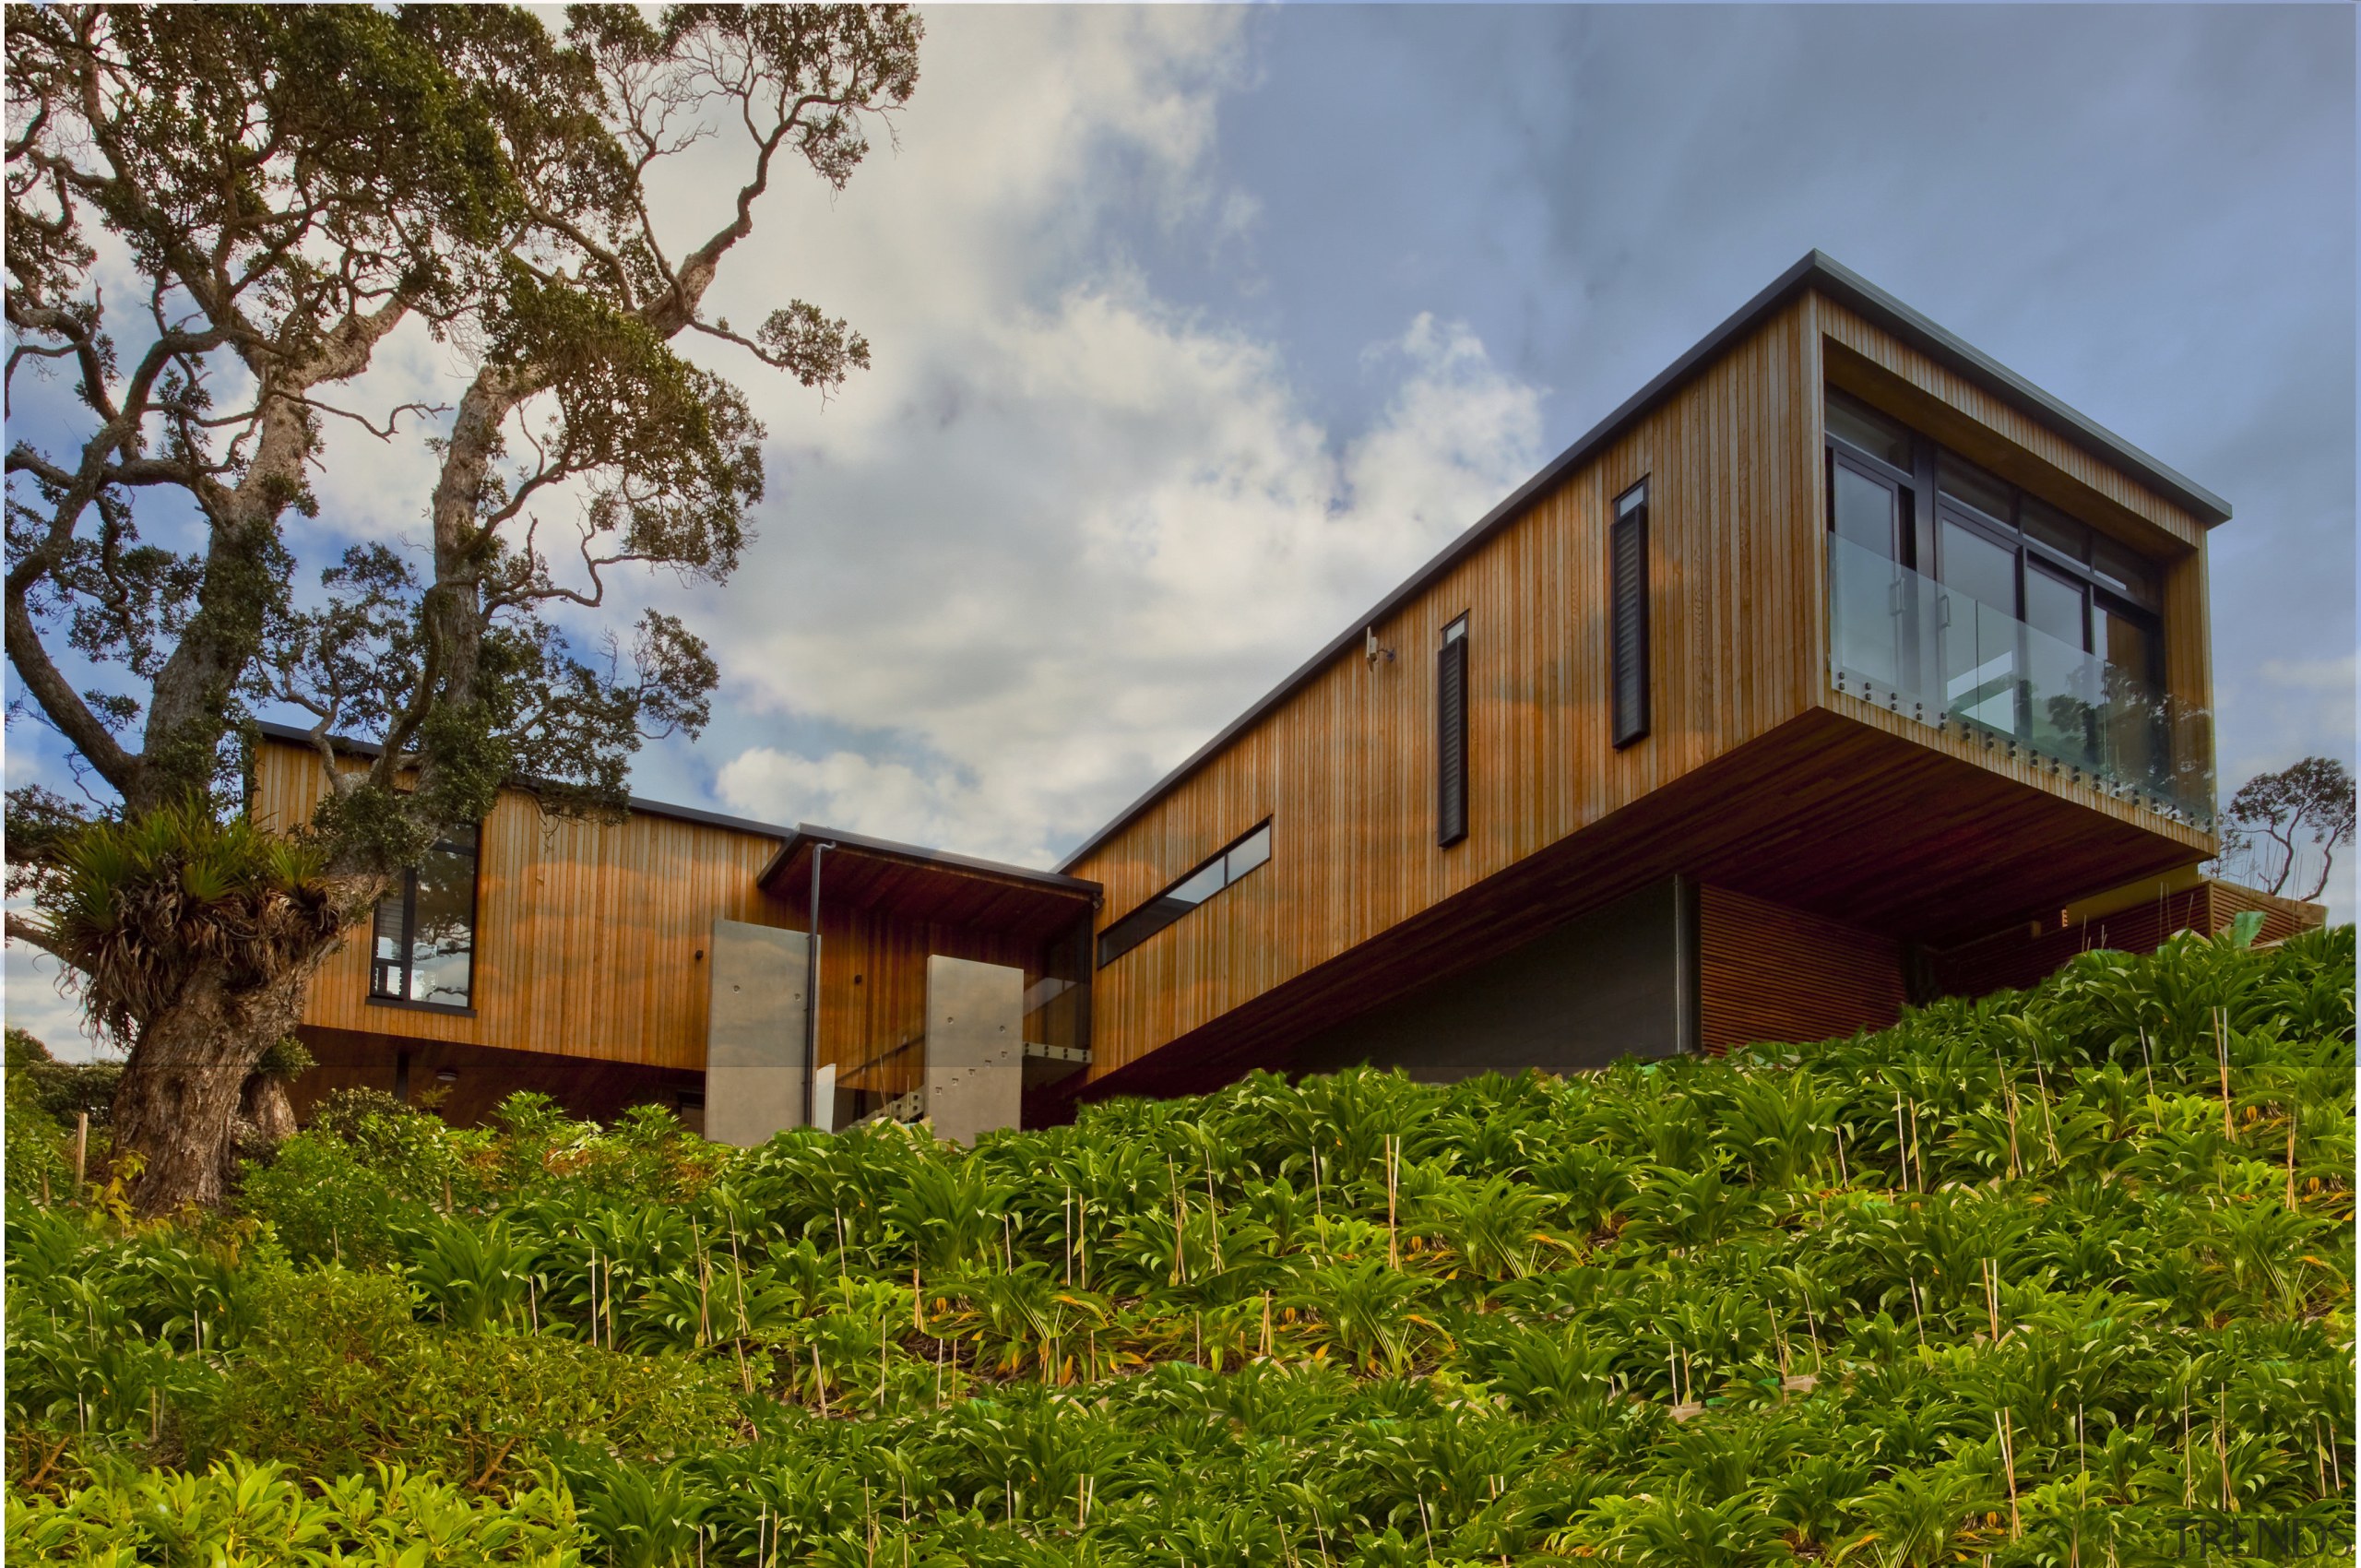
2278,820
293,188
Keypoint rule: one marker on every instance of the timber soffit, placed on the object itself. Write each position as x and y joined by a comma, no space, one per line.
807,833
1816,270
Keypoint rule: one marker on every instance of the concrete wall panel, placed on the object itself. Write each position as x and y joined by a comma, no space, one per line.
975,1046
753,1071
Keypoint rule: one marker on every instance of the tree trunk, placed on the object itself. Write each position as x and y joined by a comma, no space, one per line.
266,1119
268,1109
177,1106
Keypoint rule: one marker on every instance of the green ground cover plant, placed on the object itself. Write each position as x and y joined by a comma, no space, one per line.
2046,1278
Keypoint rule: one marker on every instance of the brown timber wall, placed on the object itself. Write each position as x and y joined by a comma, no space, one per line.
1345,767
2023,956
587,932
1766,972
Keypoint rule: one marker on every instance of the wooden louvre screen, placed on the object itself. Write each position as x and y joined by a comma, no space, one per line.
1627,561
2020,955
1451,735
1766,972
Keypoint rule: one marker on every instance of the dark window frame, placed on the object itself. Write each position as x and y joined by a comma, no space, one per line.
1841,454
1154,914
472,847
1451,734
1629,683
1922,547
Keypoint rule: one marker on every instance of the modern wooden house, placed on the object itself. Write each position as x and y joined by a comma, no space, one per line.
1838,668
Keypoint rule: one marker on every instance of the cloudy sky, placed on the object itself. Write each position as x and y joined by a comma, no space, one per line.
1196,329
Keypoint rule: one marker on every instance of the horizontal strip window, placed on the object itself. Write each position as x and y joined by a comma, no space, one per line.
1241,856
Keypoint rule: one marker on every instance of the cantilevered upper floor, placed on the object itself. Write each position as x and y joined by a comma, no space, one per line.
1835,615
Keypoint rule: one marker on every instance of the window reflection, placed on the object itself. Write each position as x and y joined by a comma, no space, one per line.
1867,429
1867,511
422,940
1977,567
1243,856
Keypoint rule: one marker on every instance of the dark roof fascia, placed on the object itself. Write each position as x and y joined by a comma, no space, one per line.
1815,270
806,833
304,738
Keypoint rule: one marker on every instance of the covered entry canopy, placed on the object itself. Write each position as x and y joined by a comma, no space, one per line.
899,924
922,886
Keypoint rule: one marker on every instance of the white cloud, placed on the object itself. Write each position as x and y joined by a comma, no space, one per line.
2284,709
1062,531
1067,586
883,800
2336,677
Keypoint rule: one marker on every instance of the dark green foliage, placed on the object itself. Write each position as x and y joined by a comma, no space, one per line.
1735,1312
335,1375
61,1090
46,1098
287,1061
341,1113
324,1202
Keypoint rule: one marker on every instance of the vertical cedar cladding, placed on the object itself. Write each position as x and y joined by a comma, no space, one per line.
1627,548
1451,734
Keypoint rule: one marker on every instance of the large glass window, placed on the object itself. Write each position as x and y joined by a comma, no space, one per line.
1977,566
2008,551
1868,508
1952,591
424,943
1241,856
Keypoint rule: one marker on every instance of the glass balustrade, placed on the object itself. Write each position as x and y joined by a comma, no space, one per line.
1933,653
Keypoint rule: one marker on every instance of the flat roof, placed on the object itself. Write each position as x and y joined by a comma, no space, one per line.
807,834
793,841
1816,270
929,885
301,737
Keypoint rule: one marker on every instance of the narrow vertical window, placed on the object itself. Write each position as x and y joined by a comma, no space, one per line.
1627,549
423,943
1451,734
